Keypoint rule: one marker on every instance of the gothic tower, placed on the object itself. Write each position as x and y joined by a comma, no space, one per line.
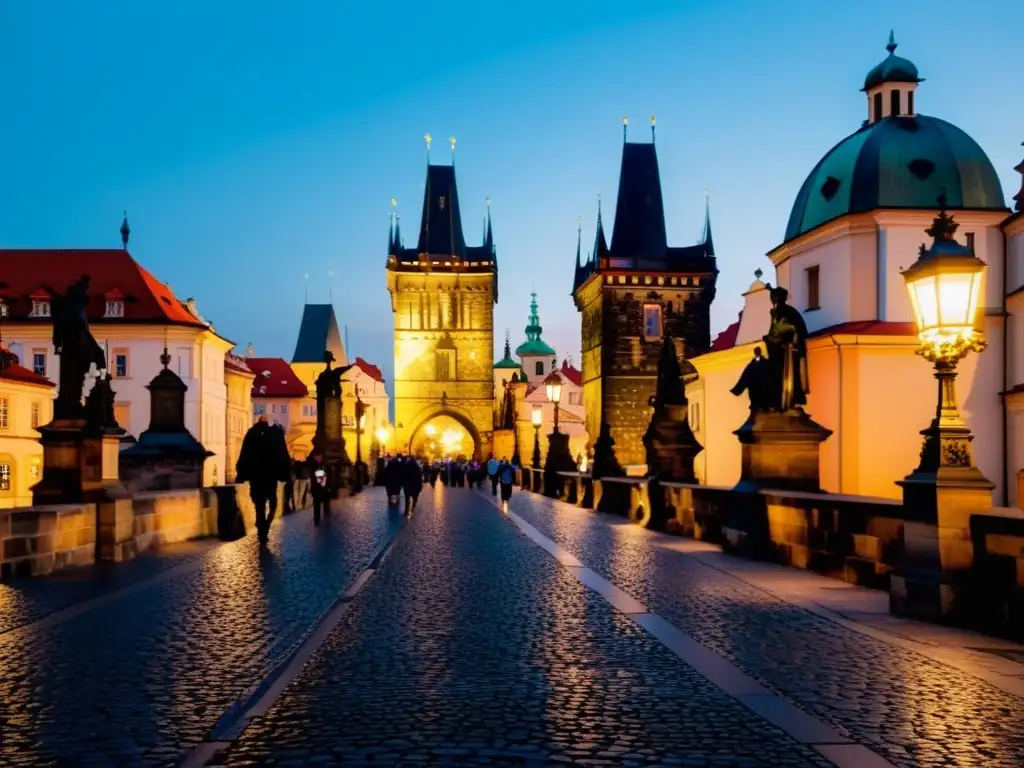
442,295
633,293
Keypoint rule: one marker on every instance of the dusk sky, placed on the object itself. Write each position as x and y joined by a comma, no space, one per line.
252,143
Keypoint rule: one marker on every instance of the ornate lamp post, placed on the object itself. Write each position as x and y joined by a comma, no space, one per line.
553,386
537,416
360,423
946,488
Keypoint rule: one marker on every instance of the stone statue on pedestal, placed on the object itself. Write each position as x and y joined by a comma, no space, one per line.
605,464
76,347
99,406
786,342
756,381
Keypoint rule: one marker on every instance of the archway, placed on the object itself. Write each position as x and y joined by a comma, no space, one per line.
445,435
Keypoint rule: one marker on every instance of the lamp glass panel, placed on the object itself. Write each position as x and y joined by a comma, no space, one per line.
536,416
972,310
926,302
955,290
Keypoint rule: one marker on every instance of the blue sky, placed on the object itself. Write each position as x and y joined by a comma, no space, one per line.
255,142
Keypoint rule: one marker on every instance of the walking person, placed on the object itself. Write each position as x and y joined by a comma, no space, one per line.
412,483
319,486
393,479
263,463
507,477
492,473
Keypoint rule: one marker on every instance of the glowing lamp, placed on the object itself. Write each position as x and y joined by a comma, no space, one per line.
382,434
537,416
945,286
430,429
553,385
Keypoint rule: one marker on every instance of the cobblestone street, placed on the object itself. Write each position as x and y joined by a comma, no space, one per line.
548,636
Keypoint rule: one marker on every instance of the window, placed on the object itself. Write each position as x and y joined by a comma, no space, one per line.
40,308
813,299
183,359
878,106
574,398
283,409
910,102
35,414
970,240
123,415
120,363
3,413
33,470
652,322
260,409
539,369
894,102
115,308
445,364
5,476
39,362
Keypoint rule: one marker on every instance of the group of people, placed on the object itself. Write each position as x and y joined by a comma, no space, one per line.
264,462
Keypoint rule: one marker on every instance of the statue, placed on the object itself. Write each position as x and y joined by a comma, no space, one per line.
75,346
756,382
786,343
508,408
669,388
328,383
99,405
605,463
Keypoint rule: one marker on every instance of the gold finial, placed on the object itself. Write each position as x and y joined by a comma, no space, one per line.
394,202
653,120
451,140
625,120
625,124
428,138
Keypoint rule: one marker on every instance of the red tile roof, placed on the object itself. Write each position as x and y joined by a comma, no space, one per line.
237,364
369,369
571,373
727,338
10,370
275,378
38,272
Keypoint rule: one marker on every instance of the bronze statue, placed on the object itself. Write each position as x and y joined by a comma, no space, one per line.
786,343
76,347
669,388
328,383
508,408
99,405
756,381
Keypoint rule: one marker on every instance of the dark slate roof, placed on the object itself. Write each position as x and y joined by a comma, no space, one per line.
318,332
897,162
639,229
441,225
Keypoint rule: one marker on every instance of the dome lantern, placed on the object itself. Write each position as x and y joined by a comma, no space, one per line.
890,86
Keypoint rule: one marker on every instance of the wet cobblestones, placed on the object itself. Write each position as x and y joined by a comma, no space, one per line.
473,646
911,709
141,678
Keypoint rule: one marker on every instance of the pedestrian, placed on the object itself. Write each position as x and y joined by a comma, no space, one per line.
393,474
507,477
288,498
320,485
263,463
412,483
492,473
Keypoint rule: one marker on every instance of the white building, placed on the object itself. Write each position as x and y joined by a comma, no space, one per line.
856,223
133,316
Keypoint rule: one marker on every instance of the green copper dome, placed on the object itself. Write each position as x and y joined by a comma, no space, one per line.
893,69
534,344
507,361
897,162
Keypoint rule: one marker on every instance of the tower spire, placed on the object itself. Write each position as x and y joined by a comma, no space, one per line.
508,345
428,138
653,121
709,243
625,125
125,231
891,47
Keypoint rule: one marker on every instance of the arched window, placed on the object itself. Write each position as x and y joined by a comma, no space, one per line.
878,106
539,368
894,102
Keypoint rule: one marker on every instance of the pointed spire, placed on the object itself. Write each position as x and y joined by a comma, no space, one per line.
489,234
578,275
533,328
891,47
398,231
451,140
508,345
391,232
653,122
600,241
709,243
125,231
625,127
1019,197
165,358
428,138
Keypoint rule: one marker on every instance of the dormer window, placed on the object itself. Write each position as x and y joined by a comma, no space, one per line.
115,308
40,308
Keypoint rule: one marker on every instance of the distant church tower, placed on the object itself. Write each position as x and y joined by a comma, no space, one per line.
633,293
442,295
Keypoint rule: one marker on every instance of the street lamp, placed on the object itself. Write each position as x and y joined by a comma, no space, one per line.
536,417
945,288
553,385
382,436
360,423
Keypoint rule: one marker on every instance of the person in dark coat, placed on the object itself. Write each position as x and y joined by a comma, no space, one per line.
393,479
412,483
506,477
320,485
263,462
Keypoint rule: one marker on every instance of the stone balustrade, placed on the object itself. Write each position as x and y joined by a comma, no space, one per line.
40,540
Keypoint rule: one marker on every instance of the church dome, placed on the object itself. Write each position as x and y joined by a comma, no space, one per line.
893,69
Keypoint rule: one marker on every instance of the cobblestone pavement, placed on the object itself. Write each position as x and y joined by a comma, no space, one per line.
142,676
911,709
471,645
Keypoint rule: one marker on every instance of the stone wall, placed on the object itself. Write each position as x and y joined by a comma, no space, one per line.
40,540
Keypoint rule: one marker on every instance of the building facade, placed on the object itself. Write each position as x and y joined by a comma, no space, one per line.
442,297
631,294
26,402
280,395
134,317
856,223
238,380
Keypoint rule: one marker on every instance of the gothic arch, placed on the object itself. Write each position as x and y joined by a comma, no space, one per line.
464,421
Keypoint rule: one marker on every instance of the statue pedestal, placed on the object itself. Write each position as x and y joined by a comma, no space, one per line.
780,450
101,480
671,445
559,459
64,462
